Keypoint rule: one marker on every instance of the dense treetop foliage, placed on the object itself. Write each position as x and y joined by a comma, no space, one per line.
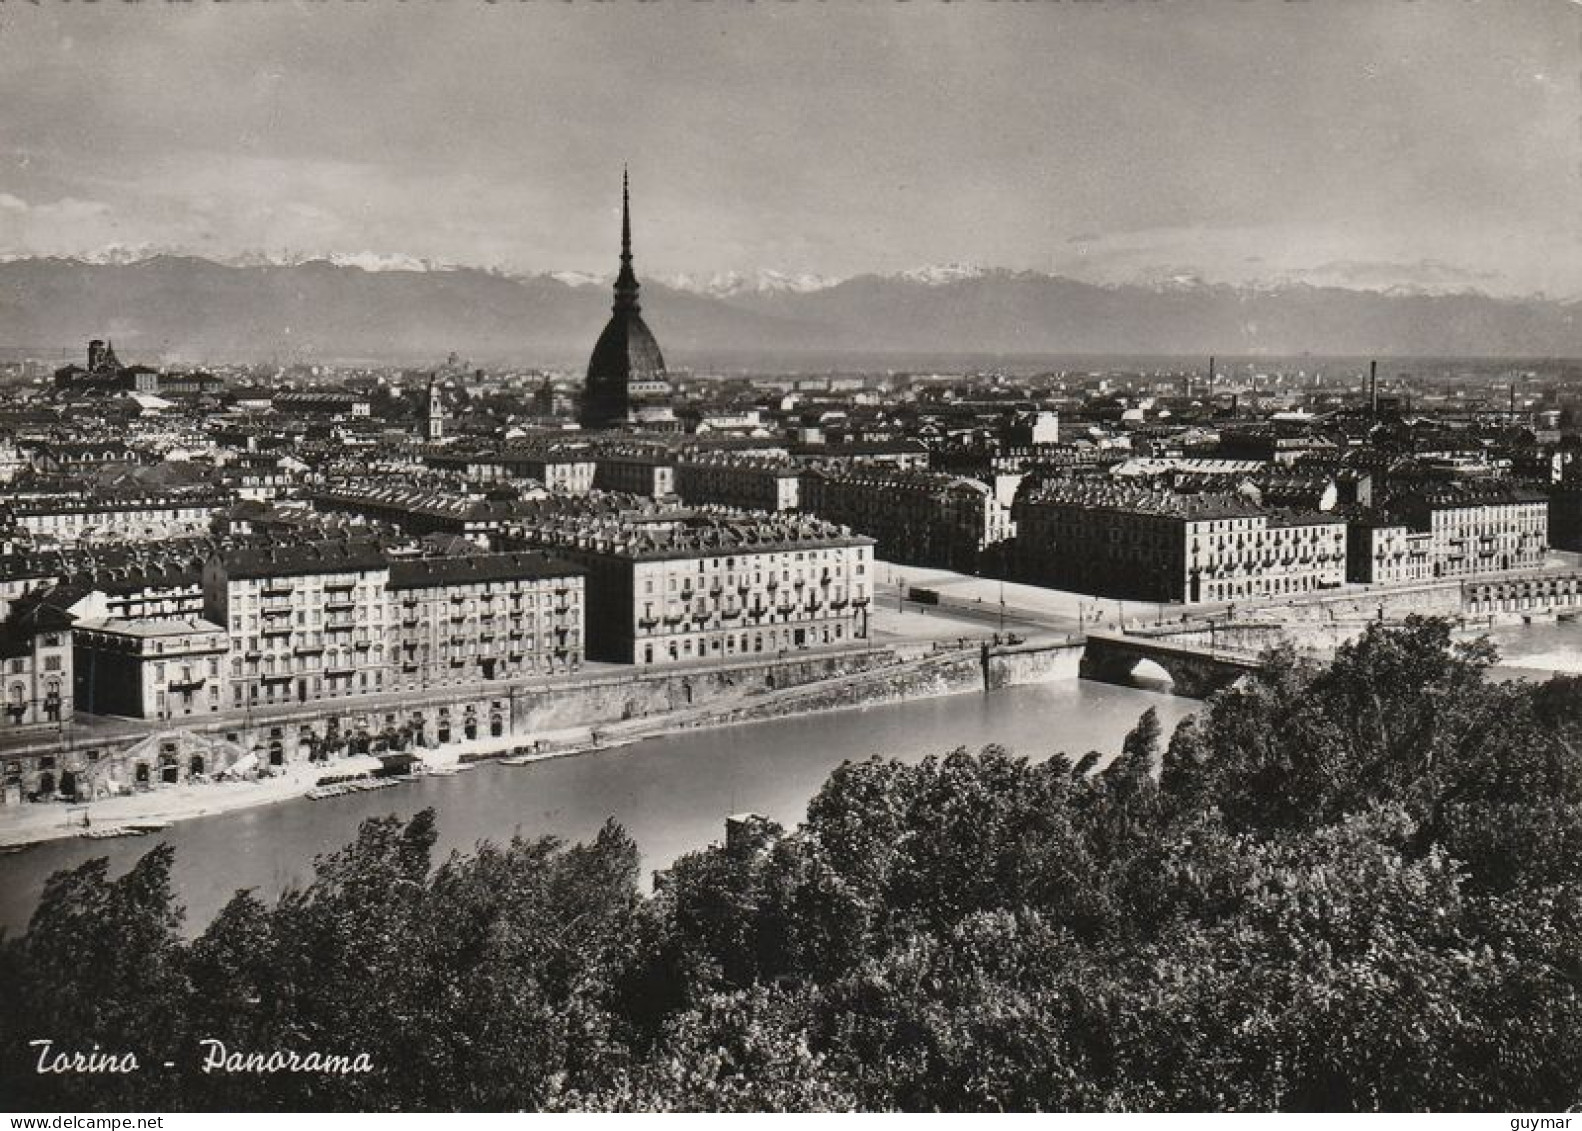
1345,887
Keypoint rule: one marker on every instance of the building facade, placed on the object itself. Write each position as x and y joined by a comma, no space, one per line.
1158,546
1382,551
66,520
636,471
1478,528
35,659
743,482
569,470
305,622
150,668
322,402
485,617
673,586
920,518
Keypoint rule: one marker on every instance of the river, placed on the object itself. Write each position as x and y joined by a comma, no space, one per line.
672,794
1539,649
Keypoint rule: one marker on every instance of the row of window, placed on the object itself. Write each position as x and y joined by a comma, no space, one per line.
745,643
822,577
184,672
70,519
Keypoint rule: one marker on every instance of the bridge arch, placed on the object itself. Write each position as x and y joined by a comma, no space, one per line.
1149,672
1194,673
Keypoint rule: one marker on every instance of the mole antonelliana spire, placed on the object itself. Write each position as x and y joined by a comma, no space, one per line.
626,280
626,368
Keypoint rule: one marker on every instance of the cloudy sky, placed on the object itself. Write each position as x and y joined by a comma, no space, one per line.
1362,142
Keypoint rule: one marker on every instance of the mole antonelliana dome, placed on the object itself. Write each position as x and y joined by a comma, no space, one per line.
626,366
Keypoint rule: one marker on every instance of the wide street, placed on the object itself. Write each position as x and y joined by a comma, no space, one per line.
973,605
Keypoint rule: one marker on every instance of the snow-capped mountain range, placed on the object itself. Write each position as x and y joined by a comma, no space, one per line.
763,282
722,284
768,281
362,305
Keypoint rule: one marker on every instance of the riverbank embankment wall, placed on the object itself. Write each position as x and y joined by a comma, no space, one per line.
947,672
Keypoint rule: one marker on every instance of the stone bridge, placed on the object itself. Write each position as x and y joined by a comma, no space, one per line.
1196,670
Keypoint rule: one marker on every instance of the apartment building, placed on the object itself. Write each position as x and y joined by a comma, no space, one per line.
921,518
485,617
671,585
35,665
743,482
69,519
1144,544
1477,527
150,668
305,622
646,471
567,470
423,510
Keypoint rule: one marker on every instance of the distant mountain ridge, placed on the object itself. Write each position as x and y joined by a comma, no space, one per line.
194,309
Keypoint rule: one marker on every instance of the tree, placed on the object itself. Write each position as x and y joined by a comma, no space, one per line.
101,968
1352,886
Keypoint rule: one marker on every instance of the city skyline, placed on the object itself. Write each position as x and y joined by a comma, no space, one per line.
1385,146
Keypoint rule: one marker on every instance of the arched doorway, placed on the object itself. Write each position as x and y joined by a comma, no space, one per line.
195,766
46,783
140,774
68,784
496,726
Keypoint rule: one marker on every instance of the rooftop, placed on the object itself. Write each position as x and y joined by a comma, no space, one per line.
422,573
152,627
653,532
1097,496
304,560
